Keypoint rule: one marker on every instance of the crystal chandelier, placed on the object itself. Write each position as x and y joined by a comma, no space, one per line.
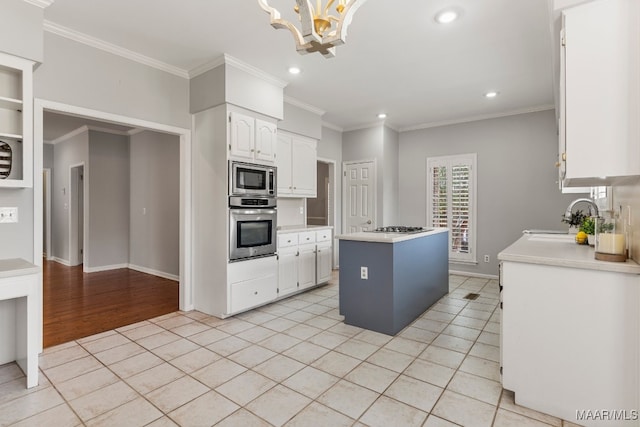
321,30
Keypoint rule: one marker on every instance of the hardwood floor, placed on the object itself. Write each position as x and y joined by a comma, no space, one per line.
78,304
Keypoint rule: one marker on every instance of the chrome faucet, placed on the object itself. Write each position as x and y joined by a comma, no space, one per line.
593,208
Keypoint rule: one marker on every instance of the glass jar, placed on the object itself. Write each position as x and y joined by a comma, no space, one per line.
610,239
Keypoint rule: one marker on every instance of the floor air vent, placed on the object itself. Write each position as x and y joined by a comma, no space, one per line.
471,296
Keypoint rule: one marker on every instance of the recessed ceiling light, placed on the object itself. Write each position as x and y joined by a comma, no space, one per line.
491,94
382,116
294,70
446,16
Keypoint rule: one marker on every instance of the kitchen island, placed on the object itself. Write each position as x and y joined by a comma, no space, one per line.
388,279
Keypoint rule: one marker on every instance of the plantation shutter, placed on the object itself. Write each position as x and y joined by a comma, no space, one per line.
450,200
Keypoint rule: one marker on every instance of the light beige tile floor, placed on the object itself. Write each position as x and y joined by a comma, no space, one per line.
290,363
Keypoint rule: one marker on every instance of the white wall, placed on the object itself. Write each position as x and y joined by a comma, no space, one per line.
108,191
517,186
154,241
72,151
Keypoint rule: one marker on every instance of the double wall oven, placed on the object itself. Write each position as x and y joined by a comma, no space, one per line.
252,211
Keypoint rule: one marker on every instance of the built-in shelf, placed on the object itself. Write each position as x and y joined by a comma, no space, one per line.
16,118
11,136
11,103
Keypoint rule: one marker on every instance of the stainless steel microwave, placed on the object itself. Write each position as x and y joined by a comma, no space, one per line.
248,179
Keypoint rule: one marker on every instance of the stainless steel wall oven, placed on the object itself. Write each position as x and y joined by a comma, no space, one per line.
252,227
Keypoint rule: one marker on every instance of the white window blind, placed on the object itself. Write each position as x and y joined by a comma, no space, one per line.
451,188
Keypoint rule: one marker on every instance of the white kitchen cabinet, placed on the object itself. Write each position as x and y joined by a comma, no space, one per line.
287,263
252,283
16,121
305,260
569,339
324,256
297,164
252,139
600,94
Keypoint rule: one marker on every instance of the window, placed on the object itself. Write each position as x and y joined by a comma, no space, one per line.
451,202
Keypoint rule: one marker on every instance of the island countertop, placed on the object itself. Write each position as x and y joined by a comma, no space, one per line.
561,251
377,237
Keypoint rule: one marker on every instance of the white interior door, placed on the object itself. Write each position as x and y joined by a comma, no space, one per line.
359,196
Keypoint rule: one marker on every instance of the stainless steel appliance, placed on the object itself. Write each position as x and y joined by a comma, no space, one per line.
401,229
248,179
252,227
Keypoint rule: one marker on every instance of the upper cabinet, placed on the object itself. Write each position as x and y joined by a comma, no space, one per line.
600,93
252,139
16,121
297,164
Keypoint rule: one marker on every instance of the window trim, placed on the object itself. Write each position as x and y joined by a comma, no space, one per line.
472,160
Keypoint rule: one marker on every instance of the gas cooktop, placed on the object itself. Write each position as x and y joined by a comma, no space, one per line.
400,229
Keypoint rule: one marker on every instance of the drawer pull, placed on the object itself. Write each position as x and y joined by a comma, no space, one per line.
307,238
255,293
288,241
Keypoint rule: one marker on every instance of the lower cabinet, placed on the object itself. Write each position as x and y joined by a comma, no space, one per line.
304,260
252,283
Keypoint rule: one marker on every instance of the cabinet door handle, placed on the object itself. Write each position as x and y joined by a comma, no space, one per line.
288,241
255,293
295,188
252,150
307,238
258,151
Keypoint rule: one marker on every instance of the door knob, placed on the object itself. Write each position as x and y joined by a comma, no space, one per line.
369,222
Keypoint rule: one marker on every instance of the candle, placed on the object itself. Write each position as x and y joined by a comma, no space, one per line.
610,243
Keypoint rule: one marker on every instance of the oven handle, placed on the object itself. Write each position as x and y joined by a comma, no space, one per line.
253,211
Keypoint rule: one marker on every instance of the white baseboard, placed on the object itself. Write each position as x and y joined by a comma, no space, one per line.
154,272
104,268
61,261
470,274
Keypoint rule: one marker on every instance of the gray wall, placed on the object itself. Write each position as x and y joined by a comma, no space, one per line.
47,156
154,241
382,144
108,184
79,75
517,186
390,179
73,151
301,121
21,29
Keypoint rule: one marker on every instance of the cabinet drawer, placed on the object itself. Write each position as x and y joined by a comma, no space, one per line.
307,237
285,240
253,292
323,235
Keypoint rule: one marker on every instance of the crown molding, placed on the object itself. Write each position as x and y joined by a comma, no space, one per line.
70,135
135,131
94,42
40,3
240,65
478,118
332,126
373,125
87,128
297,103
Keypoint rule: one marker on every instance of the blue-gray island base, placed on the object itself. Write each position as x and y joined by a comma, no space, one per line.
406,275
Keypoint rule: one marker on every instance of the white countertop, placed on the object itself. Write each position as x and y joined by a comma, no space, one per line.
16,267
298,228
368,236
561,250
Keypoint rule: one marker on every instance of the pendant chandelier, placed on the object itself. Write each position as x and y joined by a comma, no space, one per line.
321,28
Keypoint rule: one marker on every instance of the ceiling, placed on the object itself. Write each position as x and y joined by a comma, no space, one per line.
396,60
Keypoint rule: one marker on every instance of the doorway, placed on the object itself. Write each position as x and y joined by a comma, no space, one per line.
76,215
323,209
359,196
46,213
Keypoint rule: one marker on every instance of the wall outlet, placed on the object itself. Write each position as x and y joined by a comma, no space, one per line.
364,273
487,258
8,215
